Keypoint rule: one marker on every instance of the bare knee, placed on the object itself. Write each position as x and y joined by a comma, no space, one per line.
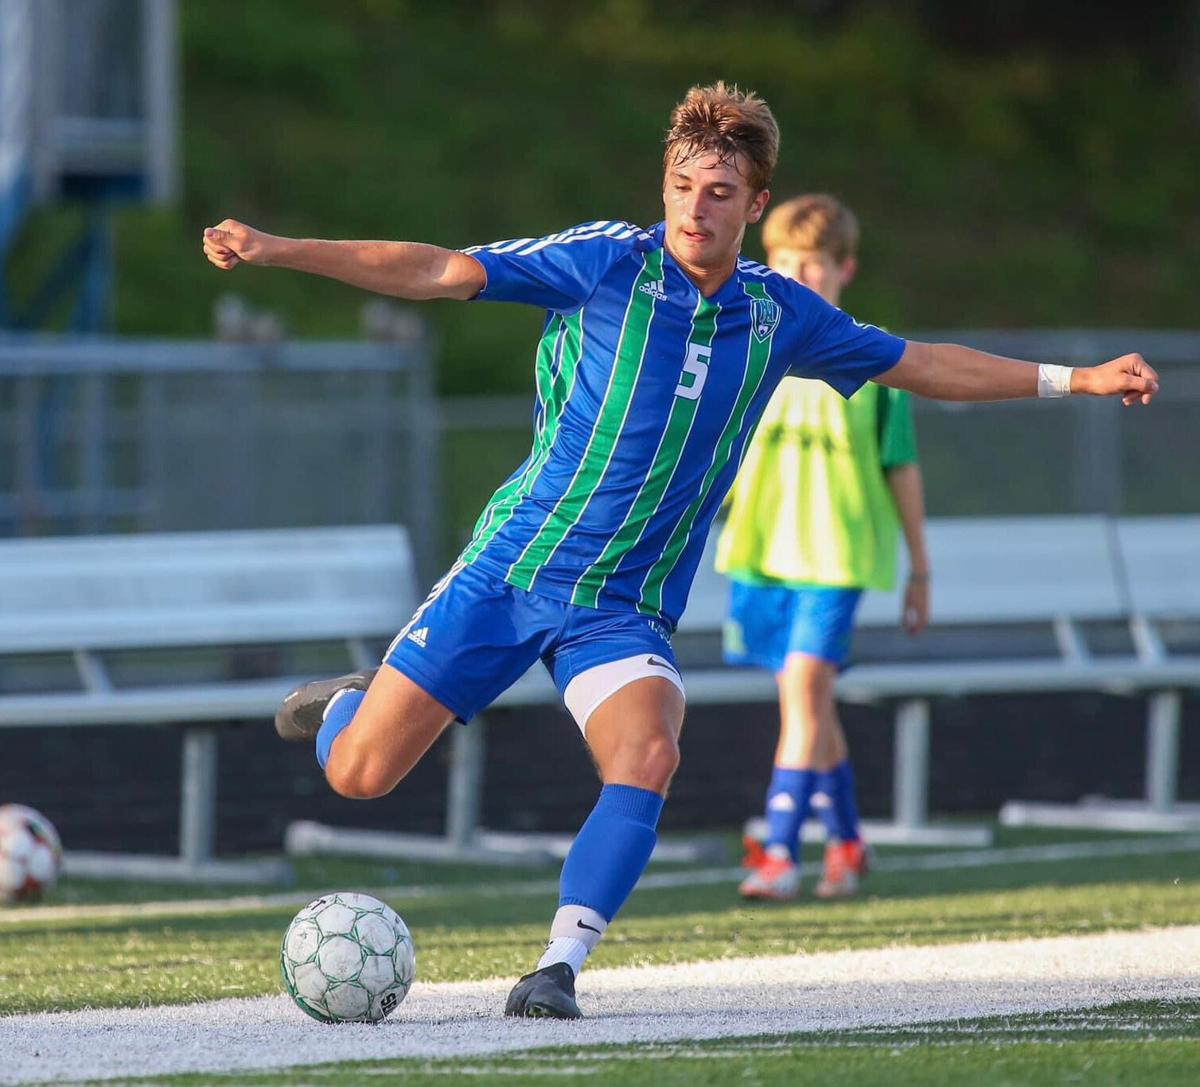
661,762
809,730
355,774
666,765
650,764
807,684
634,734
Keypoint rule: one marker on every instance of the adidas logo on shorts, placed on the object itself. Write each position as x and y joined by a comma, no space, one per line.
420,635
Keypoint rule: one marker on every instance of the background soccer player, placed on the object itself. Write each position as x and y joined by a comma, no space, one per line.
812,523
659,352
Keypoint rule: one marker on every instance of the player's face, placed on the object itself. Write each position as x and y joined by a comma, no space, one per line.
817,270
708,206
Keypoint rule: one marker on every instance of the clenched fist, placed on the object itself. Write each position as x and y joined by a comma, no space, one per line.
1129,377
229,243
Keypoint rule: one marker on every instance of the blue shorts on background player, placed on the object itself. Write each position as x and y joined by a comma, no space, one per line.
767,623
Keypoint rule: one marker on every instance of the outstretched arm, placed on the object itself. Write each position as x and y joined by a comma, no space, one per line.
946,371
409,270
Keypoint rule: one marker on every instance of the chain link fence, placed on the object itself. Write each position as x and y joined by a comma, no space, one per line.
248,430
1081,455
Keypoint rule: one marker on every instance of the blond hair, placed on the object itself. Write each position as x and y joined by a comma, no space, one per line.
815,221
726,122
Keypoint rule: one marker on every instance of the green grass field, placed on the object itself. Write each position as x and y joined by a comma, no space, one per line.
477,924
470,924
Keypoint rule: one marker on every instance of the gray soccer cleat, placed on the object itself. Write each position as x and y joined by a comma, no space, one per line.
548,993
775,878
299,717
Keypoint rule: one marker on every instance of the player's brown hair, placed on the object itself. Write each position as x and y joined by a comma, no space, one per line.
724,121
814,221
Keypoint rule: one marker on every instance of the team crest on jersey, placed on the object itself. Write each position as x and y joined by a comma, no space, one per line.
764,318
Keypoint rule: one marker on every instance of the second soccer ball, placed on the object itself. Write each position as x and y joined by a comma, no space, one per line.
30,853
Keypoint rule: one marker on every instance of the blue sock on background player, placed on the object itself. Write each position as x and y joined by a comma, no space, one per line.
841,816
603,866
822,804
789,803
338,714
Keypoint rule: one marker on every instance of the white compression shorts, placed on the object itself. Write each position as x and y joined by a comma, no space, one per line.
588,689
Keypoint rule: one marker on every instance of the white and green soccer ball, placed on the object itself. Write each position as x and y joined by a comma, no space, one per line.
347,958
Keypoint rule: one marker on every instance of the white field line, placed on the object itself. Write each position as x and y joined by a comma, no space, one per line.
834,991
396,895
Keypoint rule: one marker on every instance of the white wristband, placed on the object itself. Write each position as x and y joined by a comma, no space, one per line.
1054,380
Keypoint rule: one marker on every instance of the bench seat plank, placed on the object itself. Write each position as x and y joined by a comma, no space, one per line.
213,702
203,589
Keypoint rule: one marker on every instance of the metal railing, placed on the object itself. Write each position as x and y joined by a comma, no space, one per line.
105,434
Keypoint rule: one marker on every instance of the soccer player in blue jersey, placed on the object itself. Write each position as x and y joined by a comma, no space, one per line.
659,351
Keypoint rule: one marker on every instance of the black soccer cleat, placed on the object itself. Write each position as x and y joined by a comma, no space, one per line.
548,993
298,719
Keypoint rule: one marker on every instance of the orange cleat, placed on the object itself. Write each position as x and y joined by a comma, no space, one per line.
776,879
845,864
756,852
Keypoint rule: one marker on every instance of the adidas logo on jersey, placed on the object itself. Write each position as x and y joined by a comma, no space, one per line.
657,289
420,635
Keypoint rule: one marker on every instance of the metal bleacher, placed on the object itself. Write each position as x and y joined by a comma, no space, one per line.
1156,562
1018,606
1014,603
224,625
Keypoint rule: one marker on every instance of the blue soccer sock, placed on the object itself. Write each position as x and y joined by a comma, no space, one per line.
338,714
789,803
823,806
602,867
611,850
838,785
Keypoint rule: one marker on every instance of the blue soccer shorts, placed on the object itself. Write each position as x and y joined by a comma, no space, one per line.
475,636
768,622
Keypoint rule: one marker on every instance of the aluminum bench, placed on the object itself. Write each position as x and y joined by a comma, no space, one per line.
195,611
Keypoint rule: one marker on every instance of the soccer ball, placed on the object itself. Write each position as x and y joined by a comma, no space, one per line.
30,853
347,958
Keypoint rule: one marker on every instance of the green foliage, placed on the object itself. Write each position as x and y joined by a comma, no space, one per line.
1021,188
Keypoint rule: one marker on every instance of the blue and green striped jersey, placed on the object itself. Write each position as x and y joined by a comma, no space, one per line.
647,393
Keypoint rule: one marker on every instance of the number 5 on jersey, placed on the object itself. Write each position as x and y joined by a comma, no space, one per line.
695,372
